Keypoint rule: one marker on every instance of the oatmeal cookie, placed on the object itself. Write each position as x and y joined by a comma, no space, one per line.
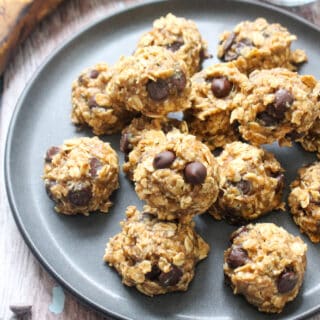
266,265
260,45
91,105
153,255
215,92
80,175
251,183
304,201
180,36
137,138
152,82
178,179
280,107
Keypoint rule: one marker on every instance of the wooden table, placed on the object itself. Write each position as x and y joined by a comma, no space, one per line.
22,279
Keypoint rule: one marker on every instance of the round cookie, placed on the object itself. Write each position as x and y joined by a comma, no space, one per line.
80,175
91,105
259,45
304,201
215,92
280,107
251,183
178,179
180,36
153,255
143,134
266,265
152,82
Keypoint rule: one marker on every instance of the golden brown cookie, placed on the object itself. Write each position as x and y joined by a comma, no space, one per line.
153,255
304,201
251,183
266,265
259,45
80,175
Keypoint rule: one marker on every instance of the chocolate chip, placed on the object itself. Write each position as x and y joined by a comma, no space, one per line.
233,216
235,49
80,195
283,100
51,152
195,173
94,74
95,166
175,46
178,81
230,56
154,274
244,186
221,87
237,233
267,119
92,103
171,278
125,145
237,257
163,159
229,41
158,90
287,280
20,310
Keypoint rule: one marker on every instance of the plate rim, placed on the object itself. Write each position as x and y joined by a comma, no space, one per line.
82,298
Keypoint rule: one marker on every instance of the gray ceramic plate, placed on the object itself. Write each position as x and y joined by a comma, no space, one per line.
71,248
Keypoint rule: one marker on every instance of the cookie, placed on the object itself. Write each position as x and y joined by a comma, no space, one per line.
251,183
153,255
260,45
304,201
178,179
152,81
81,175
266,265
280,107
215,92
92,106
180,36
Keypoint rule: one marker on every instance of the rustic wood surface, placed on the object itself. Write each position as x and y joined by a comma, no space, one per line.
22,280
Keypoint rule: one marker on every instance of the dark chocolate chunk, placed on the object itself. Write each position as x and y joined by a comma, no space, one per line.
51,152
154,274
244,186
171,278
80,195
158,90
175,46
287,280
221,87
237,257
237,233
92,103
95,166
94,74
178,81
163,159
195,173
125,145
283,100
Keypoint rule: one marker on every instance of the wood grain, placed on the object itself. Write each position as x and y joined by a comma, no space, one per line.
21,277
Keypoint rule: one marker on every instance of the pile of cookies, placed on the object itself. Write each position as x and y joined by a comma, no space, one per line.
211,160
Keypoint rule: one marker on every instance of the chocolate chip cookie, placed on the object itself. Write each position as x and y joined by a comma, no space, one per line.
251,183
93,107
266,265
144,134
178,179
152,81
153,255
304,201
280,107
260,45
180,36
80,175
215,92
